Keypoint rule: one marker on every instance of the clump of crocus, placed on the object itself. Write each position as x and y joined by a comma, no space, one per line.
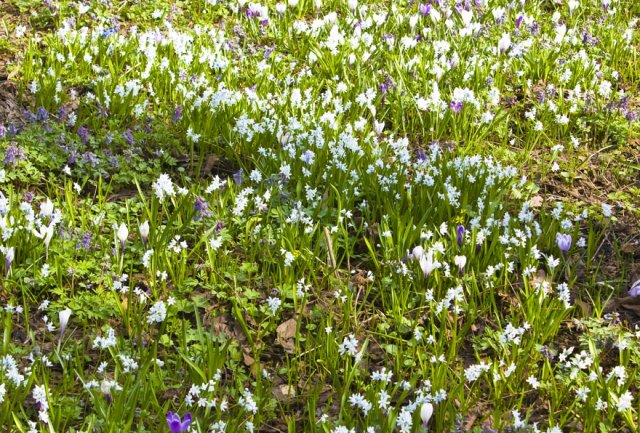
176,425
564,242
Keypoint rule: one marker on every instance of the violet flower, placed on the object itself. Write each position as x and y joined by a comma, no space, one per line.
14,154
177,114
564,242
176,424
460,230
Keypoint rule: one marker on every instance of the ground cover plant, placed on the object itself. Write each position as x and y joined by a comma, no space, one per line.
319,216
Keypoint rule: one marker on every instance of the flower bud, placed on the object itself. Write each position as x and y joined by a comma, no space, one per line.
123,234
144,231
426,411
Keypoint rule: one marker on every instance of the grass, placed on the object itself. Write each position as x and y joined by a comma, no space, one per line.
320,217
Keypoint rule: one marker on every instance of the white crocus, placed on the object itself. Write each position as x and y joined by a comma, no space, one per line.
427,263
466,17
561,31
46,208
144,231
504,43
460,262
45,233
63,316
426,412
418,252
123,234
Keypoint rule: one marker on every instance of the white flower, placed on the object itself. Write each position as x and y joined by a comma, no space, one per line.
531,380
46,208
405,418
123,233
427,264
146,258
573,4
157,313
274,304
46,233
358,400
418,252
144,231
349,345
426,411
129,364
105,342
624,402
20,31
163,187
64,316
40,396
504,43
215,243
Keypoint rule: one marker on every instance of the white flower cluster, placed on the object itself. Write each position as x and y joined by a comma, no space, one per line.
157,313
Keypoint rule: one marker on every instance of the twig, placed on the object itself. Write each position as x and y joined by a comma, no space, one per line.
330,255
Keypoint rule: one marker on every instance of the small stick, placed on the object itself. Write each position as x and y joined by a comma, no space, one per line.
331,256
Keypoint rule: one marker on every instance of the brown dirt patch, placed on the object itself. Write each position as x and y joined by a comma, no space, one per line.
10,108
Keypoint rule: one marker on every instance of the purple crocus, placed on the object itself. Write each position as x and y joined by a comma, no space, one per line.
455,106
564,242
252,11
237,177
424,9
176,424
177,114
460,230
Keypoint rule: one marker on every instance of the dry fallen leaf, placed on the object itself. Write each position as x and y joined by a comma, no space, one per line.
536,201
284,392
286,334
247,359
